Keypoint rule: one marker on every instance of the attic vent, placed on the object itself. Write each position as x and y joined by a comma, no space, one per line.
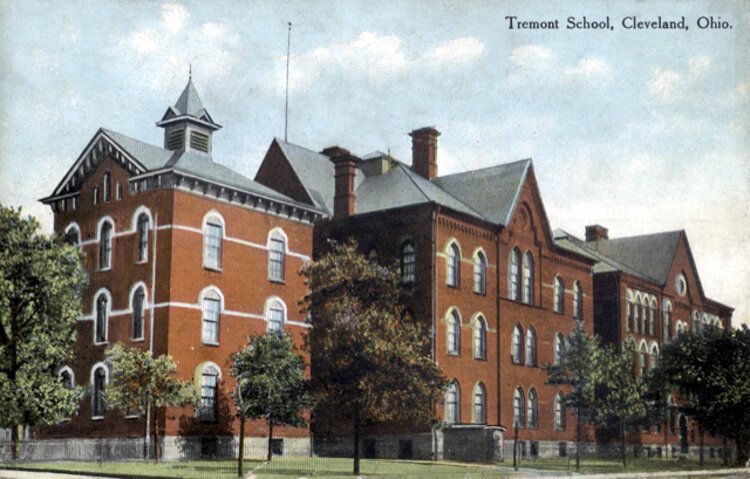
199,141
176,140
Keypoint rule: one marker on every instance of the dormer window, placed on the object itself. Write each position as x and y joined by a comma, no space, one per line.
199,141
176,140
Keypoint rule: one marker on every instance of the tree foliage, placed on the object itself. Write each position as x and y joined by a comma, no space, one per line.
140,382
620,395
579,371
367,362
271,382
41,281
711,371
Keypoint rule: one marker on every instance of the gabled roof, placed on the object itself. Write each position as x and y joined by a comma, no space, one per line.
489,194
493,191
604,264
399,187
650,255
145,159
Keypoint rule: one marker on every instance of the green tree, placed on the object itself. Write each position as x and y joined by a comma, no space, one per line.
369,363
142,384
41,281
620,395
579,370
270,383
711,371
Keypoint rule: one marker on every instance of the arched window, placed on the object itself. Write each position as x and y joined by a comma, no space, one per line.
514,257
653,358
480,414
636,313
139,299
213,234
652,317
628,311
372,256
209,389
671,415
516,345
275,315
578,300
66,378
532,411
559,415
480,273
95,194
98,382
453,266
480,338
452,404
530,347
276,256
528,278
408,262
142,231
105,245
519,407
558,302
642,353
644,315
454,333
106,187
73,235
101,321
211,308
559,349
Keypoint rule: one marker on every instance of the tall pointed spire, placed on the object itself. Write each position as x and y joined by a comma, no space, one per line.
188,125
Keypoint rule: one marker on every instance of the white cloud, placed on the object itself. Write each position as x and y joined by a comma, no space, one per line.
371,56
457,50
589,67
743,88
534,57
155,51
669,86
174,16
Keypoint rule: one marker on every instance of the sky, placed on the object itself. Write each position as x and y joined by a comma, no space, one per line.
639,130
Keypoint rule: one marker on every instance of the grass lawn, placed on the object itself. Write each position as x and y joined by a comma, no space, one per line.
304,467
593,465
282,468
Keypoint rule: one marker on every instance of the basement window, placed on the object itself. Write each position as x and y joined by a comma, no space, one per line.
199,141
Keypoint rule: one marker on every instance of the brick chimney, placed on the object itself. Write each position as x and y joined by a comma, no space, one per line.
596,233
345,167
424,151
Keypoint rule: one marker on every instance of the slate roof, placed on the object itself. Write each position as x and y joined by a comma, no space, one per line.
647,256
489,194
189,102
492,191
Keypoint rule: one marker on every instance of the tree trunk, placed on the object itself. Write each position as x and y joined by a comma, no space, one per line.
702,433
14,442
157,454
357,425
623,445
724,458
241,453
269,453
578,440
741,442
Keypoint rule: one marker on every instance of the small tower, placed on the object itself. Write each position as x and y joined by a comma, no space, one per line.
187,125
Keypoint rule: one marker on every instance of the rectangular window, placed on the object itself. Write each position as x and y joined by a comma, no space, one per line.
212,246
276,260
199,141
277,447
207,410
210,330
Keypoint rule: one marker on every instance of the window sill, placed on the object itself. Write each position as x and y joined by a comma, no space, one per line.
531,365
102,343
480,358
145,261
137,340
454,353
453,286
104,270
276,281
212,344
517,363
97,418
132,416
480,293
216,269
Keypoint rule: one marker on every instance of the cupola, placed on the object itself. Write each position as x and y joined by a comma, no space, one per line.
188,125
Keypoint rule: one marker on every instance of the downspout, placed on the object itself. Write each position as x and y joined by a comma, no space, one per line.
151,323
433,332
